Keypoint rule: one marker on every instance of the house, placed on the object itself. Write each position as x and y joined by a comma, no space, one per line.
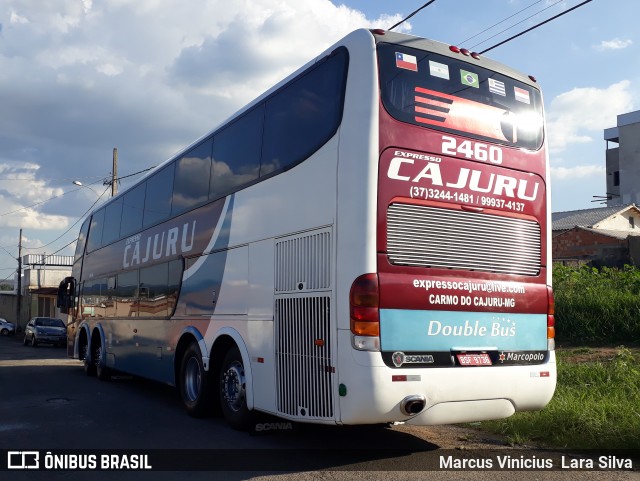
604,236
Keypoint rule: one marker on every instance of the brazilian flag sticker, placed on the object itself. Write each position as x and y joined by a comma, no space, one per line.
469,78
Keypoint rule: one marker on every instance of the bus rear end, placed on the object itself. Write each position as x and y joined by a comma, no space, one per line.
461,305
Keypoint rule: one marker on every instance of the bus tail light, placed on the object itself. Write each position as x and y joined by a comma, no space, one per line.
364,311
551,319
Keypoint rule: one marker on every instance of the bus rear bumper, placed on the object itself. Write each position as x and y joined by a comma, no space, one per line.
375,392
463,412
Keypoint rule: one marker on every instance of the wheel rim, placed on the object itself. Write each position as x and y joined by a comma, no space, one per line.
83,352
233,386
97,356
192,379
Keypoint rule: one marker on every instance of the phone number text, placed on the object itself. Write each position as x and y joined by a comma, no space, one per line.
465,198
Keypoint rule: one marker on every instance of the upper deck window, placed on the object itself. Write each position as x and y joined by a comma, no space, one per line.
443,93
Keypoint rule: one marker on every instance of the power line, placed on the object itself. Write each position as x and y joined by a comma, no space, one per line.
500,22
72,225
411,15
536,26
69,192
518,23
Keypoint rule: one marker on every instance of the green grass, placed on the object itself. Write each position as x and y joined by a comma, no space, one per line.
596,406
597,400
597,305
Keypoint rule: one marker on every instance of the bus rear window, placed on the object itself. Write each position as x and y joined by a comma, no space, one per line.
443,93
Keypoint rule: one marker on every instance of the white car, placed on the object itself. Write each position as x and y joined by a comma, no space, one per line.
7,328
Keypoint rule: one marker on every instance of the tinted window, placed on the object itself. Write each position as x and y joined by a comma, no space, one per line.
95,231
49,322
132,209
305,114
157,205
127,294
191,184
236,154
447,94
112,217
91,298
82,239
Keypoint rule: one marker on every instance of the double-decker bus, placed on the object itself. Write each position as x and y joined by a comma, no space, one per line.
366,242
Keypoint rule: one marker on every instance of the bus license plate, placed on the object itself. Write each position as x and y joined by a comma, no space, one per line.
474,359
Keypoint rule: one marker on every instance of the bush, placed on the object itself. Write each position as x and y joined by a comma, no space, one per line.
597,305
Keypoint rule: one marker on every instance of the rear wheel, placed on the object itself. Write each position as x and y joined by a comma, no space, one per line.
5,331
102,372
89,366
233,391
195,389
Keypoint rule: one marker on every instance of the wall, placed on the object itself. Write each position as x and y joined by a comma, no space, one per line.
584,245
36,278
629,158
613,166
8,304
620,222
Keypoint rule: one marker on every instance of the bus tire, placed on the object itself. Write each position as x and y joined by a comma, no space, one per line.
102,372
195,390
89,367
232,390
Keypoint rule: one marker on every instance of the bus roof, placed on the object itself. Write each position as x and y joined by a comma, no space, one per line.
443,49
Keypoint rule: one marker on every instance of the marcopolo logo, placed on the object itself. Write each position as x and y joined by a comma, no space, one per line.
400,358
524,357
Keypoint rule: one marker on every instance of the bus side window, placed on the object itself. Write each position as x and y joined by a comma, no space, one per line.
132,210
126,294
112,218
95,231
191,184
236,154
304,115
82,239
157,205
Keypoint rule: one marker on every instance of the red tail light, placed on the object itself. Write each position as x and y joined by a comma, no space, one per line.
551,310
364,299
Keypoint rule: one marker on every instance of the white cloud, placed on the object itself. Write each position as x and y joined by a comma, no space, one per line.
577,172
21,194
576,116
78,77
615,44
16,18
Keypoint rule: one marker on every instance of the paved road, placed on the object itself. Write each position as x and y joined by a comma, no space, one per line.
47,403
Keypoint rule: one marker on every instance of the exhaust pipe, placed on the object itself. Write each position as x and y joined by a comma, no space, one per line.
412,405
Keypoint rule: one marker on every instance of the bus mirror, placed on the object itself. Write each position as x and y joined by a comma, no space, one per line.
66,292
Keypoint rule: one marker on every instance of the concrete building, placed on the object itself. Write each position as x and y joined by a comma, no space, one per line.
623,160
41,277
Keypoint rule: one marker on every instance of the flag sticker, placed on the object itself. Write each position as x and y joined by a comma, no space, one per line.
522,95
469,78
408,62
439,70
497,87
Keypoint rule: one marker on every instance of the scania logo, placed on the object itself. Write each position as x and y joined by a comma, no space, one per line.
400,358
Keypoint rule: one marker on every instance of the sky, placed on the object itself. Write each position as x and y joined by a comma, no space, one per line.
80,77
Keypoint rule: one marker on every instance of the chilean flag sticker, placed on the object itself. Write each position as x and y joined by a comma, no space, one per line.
408,62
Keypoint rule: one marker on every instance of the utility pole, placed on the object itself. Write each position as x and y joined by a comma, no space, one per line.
114,176
19,296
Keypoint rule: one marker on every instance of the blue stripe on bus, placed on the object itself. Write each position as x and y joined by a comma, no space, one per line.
415,330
